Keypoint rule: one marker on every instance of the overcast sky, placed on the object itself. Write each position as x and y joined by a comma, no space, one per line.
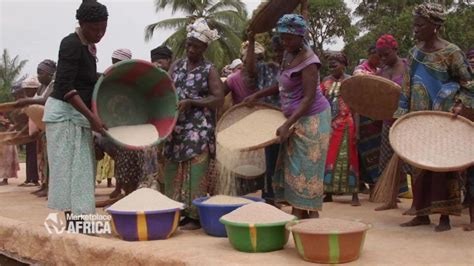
33,29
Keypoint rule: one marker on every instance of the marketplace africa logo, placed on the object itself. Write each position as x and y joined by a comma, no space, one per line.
83,223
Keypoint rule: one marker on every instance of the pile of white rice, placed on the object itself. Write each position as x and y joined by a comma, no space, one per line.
226,200
328,226
258,213
145,199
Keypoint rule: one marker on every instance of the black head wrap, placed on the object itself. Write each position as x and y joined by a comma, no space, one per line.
161,52
92,11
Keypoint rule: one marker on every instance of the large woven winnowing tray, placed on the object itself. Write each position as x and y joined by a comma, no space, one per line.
269,12
240,111
433,140
371,96
7,107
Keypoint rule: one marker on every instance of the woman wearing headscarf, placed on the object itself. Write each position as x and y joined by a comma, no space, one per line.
191,146
438,78
342,165
121,54
241,83
393,68
68,117
162,57
45,70
305,134
368,130
30,87
470,171
9,165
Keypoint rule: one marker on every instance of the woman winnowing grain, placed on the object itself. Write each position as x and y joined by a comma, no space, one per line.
68,118
300,170
192,144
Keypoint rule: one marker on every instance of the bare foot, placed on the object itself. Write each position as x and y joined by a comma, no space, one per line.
299,213
410,211
418,220
115,194
387,206
444,224
43,187
328,198
313,214
109,182
42,193
192,225
355,200
442,227
468,227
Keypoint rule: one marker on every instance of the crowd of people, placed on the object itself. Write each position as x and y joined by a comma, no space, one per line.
324,148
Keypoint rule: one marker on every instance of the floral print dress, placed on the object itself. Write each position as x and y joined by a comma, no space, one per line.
192,143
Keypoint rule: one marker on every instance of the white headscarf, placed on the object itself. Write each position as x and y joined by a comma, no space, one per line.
31,82
122,54
201,31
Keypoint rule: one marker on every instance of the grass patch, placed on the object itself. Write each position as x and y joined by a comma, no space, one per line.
21,154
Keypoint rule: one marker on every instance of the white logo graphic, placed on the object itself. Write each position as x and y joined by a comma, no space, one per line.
86,224
53,221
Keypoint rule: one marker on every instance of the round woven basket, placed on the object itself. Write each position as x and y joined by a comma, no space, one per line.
371,96
7,107
433,140
269,12
240,111
135,92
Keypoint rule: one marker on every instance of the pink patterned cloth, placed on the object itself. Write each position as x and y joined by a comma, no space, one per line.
9,165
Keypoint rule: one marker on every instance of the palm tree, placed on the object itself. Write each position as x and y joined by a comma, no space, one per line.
227,16
10,69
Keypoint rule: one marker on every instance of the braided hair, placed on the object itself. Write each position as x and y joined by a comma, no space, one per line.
92,11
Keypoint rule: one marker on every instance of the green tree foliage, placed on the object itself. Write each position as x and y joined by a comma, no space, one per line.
227,16
458,27
10,69
396,18
328,20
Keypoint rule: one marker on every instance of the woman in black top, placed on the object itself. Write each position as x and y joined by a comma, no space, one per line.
68,117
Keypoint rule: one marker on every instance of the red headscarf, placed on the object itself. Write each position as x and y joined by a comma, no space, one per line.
386,41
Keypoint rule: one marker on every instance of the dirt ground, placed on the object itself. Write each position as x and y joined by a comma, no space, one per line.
22,233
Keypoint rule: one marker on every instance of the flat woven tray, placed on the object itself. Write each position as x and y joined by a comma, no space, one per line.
269,12
240,111
7,107
20,140
434,140
7,135
371,96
